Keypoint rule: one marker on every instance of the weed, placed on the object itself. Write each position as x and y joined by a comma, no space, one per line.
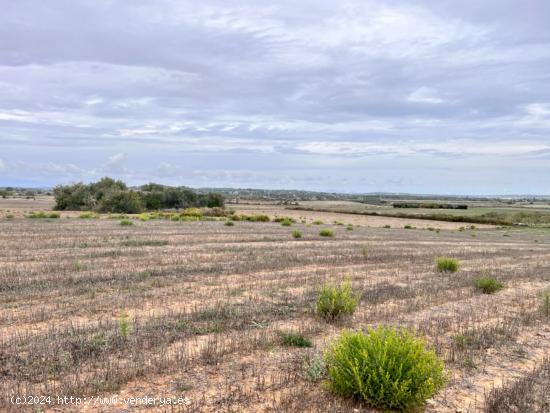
326,232
88,215
126,223
446,264
229,223
386,367
349,227
314,367
296,234
292,339
335,301
124,326
488,285
317,222
408,226
144,243
286,222
546,303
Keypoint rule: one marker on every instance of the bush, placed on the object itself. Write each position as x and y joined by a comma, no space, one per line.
386,367
349,227
488,285
546,303
286,222
336,301
326,232
126,223
318,222
88,215
229,223
43,215
408,226
296,234
447,264
387,226
292,339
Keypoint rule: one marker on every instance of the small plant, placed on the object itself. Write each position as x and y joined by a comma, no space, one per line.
546,303
77,265
229,223
386,367
387,226
10,216
408,226
42,215
488,285
326,232
349,227
126,223
296,234
292,339
461,229
446,264
335,301
317,222
286,222
314,367
88,215
124,326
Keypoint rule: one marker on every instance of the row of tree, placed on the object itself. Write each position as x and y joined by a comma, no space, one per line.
109,195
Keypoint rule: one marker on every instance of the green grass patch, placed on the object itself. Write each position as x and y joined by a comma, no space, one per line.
126,223
292,339
326,232
446,264
296,234
488,285
44,215
335,301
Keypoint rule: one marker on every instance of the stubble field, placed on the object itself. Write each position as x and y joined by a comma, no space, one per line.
197,310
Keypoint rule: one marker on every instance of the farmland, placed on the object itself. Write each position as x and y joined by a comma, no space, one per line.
200,310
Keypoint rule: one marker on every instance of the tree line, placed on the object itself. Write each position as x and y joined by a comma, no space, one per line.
109,195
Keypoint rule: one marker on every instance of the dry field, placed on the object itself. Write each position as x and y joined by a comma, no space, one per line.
196,309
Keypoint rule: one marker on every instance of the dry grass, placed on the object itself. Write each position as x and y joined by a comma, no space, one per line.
166,308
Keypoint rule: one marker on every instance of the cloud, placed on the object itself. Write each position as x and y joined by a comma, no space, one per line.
425,95
306,88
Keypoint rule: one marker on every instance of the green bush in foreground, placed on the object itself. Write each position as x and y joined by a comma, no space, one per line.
335,301
296,234
326,232
386,367
488,285
126,223
447,264
229,223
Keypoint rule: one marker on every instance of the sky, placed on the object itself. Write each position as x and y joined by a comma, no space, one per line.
446,97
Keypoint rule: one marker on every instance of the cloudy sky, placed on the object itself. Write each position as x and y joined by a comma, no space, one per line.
350,96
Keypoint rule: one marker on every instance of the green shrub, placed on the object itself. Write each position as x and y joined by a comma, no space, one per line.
326,232
488,285
296,234
349,227
386,367
43,215
317,222
88,215
546,303
255,218
336,301
286,222
281,219
126,223
447,264
314,367
292,339
10,216
229,223
408,226
387,226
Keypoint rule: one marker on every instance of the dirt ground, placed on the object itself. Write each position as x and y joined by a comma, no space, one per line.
193,312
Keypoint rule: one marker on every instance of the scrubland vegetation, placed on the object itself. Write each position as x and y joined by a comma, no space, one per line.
236,312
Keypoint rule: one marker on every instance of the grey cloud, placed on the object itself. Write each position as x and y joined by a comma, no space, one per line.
313,89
